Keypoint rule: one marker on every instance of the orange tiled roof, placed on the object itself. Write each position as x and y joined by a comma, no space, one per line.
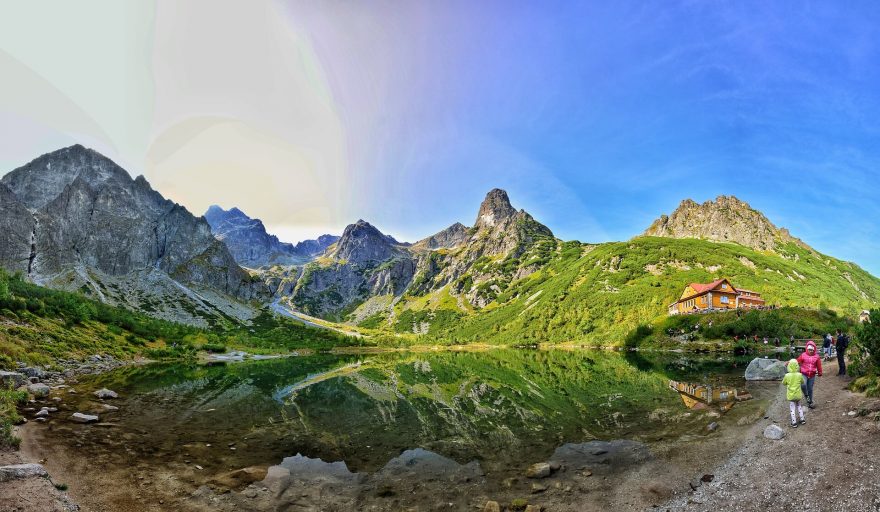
700,288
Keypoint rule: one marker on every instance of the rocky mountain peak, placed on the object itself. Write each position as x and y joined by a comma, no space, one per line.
725,219
362,243
43,179
451,237
495,209
76,220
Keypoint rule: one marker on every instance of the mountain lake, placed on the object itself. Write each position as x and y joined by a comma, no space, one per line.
419,430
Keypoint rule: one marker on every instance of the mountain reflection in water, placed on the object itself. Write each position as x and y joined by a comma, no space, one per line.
502,408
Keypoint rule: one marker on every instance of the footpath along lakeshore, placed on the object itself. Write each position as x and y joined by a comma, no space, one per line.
831,463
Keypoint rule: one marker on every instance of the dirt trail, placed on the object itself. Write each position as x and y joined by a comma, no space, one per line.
830,464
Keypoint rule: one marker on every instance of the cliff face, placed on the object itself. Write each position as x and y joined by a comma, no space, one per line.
726,219
87,222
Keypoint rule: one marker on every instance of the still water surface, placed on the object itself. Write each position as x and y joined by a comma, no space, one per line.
504,409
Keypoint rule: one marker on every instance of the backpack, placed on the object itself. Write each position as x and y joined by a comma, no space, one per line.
843,342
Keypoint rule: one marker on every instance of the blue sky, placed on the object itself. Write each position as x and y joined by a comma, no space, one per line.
595,116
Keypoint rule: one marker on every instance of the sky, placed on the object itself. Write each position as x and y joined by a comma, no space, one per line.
596,117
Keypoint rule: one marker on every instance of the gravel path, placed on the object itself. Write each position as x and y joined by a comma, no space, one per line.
830,464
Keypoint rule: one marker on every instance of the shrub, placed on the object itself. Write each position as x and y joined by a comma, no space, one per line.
866,356
215,348
637,335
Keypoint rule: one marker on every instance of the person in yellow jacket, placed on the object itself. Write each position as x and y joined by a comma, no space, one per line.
793,381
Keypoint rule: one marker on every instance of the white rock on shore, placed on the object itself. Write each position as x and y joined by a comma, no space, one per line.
774,432
765,369
19,471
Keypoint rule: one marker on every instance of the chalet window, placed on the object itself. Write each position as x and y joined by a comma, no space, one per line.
723,286
725,299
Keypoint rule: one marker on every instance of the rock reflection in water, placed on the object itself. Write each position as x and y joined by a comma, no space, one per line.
304,483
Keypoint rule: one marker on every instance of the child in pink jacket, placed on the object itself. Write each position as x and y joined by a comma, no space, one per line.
811,365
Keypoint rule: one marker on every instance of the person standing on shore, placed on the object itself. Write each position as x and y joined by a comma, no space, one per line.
793,381
811,365
842,344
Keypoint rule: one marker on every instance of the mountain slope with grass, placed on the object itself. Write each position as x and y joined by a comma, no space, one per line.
40,326
578,292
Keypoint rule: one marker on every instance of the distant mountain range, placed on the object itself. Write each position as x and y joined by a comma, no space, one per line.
73,219
252,246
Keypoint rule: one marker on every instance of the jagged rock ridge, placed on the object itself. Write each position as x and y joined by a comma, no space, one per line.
726,219
450,238
366,264
361,243
90,227
252,246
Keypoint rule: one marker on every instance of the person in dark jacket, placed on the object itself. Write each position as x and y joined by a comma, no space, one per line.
842,344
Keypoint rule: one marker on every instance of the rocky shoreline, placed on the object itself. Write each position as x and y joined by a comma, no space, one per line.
26,483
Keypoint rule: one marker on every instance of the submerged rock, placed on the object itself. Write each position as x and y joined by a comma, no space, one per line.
765,369
241,477
616,455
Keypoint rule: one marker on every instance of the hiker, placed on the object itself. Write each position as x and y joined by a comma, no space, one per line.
793,392
811,365
842,344
826,347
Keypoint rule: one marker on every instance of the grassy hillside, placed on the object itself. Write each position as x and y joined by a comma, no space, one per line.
597,294
39,325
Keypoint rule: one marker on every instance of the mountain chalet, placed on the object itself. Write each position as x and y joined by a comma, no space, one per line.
717,295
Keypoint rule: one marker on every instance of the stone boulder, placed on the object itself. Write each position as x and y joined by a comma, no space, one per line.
39,390
79,417
106,393
241,478
774,432
14,378
766,369
20,471
34,372
539,470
